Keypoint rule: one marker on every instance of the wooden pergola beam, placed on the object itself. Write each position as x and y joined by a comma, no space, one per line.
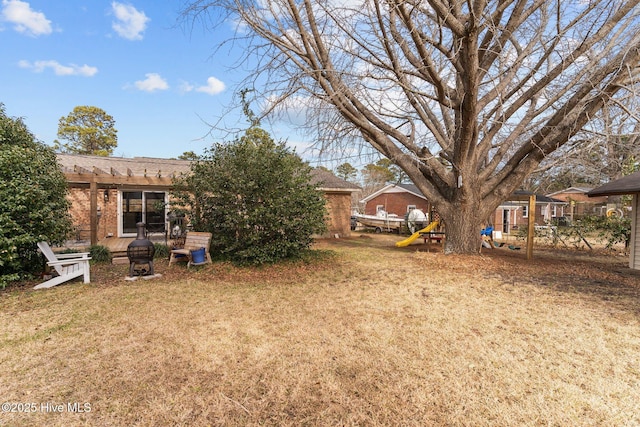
108,179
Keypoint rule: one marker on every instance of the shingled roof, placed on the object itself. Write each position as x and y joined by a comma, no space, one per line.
169,168
134,166
626,185
327,181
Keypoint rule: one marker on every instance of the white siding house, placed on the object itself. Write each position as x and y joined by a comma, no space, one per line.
629,184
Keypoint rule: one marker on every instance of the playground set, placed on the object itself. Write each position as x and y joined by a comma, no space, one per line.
429,234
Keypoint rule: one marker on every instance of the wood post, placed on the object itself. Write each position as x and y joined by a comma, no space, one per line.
531,231
93,211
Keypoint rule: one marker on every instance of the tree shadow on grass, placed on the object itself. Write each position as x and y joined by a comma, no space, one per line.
595,276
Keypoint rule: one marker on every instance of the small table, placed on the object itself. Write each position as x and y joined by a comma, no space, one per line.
431,236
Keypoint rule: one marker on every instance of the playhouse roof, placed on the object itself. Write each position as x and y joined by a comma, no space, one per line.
626,185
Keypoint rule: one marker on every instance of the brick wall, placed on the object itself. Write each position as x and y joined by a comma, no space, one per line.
338,214
81,208
108,224
396,203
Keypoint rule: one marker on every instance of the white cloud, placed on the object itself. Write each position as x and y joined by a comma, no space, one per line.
152,83
59,69
213,86
185,87
25,19
130,23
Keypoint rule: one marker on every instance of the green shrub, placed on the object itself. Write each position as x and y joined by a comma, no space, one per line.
162,251
611,230
256,197
100,253
69,251
33,204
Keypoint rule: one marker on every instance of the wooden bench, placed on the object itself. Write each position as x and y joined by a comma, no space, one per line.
195,240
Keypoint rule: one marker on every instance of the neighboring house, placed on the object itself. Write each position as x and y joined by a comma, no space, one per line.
514,213
396,199
109,195
579,203
399,199
629,184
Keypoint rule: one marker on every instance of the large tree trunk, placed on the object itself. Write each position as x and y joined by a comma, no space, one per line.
463,219
463,235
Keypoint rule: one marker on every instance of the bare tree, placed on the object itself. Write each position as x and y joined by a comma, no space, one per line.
467,97
605,150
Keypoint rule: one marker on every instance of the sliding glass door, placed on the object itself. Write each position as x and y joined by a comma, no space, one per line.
143,206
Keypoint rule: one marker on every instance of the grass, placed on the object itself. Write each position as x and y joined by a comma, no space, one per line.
371,335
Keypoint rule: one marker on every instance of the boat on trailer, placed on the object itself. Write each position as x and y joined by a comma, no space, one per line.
381,222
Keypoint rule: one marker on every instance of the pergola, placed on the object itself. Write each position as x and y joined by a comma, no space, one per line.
104,173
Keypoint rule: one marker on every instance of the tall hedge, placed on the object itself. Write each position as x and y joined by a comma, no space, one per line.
256,197
33,204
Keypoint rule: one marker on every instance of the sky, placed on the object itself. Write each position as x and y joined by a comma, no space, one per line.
161,78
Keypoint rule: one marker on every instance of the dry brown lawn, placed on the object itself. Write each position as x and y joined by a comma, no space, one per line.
371,335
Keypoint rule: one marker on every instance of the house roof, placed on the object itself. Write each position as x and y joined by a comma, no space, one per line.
408,188
160,171
327,181
626,185
519,195
581,190
412,188
523,195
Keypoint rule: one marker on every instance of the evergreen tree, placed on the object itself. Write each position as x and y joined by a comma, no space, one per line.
89,130
347,172
33,204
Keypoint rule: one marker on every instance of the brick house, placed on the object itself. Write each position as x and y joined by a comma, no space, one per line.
579,203
109,195
396,199
513,214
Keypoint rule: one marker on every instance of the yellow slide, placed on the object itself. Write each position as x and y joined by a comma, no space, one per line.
414,236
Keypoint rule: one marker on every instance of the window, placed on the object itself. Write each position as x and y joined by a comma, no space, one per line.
525,211
379,208
147,207
554,211
410,208
131,210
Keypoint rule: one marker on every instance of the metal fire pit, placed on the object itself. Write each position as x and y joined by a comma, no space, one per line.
140,252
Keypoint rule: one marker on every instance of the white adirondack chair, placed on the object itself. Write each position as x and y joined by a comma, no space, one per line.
68,266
